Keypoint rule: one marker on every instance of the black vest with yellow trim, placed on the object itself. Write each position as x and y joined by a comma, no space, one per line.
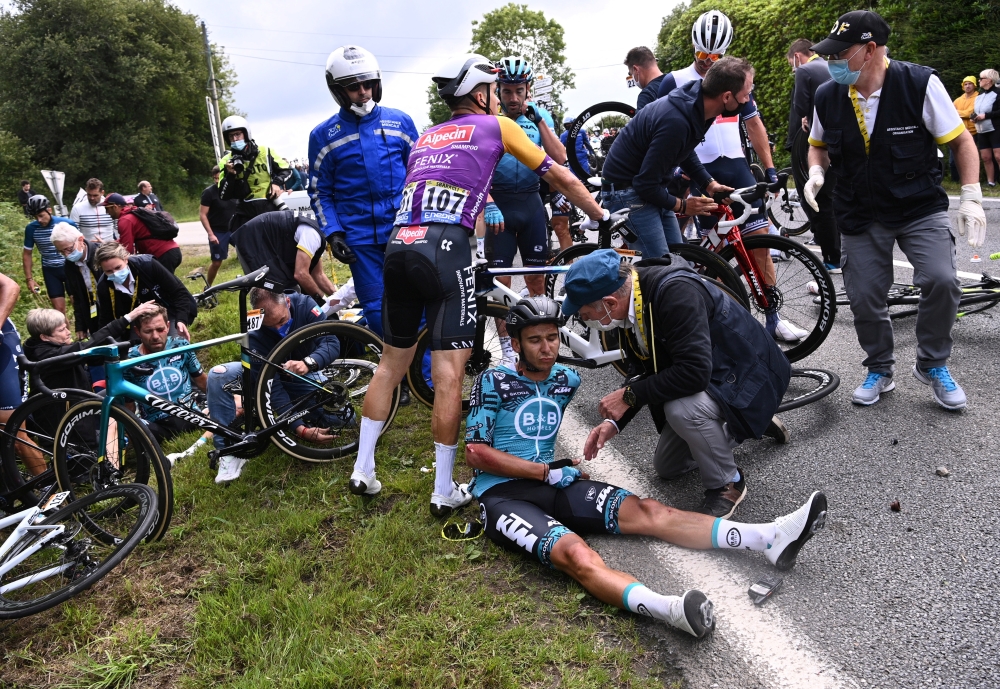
899,179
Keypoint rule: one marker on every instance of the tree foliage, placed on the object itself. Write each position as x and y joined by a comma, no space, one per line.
15,165
109,88
955,37
515,30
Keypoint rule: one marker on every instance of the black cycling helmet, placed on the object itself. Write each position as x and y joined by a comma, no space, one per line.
532,311
37,204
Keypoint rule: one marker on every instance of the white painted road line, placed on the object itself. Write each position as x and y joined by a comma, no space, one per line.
776,654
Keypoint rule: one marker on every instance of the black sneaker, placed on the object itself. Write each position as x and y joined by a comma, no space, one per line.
722,502
778,430
404,395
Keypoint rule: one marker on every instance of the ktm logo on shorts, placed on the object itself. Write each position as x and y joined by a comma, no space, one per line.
445,136
408,235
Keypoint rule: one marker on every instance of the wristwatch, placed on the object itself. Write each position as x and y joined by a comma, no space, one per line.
313,366
628,397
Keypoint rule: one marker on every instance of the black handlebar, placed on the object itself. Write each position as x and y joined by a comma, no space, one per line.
244,282
755,193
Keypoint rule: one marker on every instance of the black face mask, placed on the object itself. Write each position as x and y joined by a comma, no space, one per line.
729,113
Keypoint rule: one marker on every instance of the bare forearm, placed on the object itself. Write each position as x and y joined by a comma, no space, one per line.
552,145
203,216
489,459
758,138
819,156
26,262
9,292
966,157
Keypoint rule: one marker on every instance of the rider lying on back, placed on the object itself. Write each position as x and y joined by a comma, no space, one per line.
533,504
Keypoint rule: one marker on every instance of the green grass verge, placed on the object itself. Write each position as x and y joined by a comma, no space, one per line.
283,579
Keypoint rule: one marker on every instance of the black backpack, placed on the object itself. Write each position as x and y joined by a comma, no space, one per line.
161,224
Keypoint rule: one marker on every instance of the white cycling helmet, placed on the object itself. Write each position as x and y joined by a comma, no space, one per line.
712,32
232,123
350,64
462,74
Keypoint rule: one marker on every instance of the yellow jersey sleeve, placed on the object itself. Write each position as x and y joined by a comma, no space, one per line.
517,143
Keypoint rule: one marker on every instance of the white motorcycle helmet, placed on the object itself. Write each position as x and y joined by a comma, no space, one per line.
712,33
462,74
348,65
234,123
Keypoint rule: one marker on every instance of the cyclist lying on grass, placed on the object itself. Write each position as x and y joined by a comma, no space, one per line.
530,503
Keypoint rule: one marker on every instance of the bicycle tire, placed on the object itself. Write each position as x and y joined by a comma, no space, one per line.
141,522
82,468
826,382
346,379
578,124
978,301
814,313
711,265
39,416
422,390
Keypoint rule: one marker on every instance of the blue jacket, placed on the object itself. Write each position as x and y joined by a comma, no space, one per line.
583,148
357,167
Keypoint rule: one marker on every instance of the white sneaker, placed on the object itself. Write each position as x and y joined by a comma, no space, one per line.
230,469
786,331
692,613
362,484
793,530
443,506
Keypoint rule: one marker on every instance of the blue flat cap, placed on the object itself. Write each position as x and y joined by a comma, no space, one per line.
590,278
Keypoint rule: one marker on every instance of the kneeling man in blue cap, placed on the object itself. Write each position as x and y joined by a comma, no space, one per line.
710,373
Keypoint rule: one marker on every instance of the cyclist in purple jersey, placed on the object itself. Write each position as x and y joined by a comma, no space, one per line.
428,261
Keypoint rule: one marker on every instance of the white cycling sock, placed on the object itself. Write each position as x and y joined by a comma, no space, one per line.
370,431
444,456
737,536
481,246
506,350
641,600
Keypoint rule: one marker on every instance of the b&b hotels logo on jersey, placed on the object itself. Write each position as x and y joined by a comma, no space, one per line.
446,136
538,419
410,234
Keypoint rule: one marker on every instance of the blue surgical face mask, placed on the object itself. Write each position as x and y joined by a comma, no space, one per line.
841,74
74,255
238,145
120,276
283,330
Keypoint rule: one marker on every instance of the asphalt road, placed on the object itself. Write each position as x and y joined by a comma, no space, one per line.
880,598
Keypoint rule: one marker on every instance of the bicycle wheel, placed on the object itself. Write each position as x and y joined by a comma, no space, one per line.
807,386
337,405
792,294
579,125
26,457
712,265
976,299
489,355
131,456
786,212
68,561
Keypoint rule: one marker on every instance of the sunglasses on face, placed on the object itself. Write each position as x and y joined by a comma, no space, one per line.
358,85
714,57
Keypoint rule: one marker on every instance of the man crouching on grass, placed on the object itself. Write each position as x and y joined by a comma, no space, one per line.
529,502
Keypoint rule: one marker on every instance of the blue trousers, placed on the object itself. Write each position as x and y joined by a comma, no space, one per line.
367,273
655,226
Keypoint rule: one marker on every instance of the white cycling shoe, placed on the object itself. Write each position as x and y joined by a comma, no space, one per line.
444,505
230,469
362,484
786,331
692,613
793,530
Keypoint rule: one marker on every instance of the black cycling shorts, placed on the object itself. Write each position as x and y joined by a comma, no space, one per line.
13,381
986,140
735,173
531,516
524,230
429,267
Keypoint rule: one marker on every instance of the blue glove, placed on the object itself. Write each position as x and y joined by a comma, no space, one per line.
492,214
771,174
563,477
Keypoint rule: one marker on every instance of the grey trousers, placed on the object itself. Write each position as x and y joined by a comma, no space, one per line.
695,437
868,275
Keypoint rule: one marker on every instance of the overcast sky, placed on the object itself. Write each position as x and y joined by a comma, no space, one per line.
267,42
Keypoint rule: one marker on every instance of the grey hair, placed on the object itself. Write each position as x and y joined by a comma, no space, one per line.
990,74
109,250
64,232
259,295
623,292
44,321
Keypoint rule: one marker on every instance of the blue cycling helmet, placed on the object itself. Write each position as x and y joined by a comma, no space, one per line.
515,70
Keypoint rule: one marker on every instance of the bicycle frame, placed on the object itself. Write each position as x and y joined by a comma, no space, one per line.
25,521
590,353
746,260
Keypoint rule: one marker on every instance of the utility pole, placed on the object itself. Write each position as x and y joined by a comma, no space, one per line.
214,116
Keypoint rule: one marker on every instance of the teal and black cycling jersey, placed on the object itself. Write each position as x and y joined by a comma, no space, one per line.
512,176
517,415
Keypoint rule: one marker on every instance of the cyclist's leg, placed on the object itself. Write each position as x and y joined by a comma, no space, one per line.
221,402
531,240
736,173
644,220
55,286
500,250
219,253
367,274
560,225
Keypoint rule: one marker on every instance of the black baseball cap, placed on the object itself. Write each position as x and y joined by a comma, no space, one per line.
860,26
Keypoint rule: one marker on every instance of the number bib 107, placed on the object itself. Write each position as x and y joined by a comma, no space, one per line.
442,203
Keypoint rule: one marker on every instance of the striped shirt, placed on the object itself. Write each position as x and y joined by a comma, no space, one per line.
36,234
93,221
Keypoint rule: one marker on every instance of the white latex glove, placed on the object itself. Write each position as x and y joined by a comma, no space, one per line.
817,177
589,224
971,215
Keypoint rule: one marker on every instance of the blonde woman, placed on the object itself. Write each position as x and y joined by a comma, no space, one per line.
986,116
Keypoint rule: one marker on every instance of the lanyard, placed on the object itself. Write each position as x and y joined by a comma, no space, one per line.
640,326
861,118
